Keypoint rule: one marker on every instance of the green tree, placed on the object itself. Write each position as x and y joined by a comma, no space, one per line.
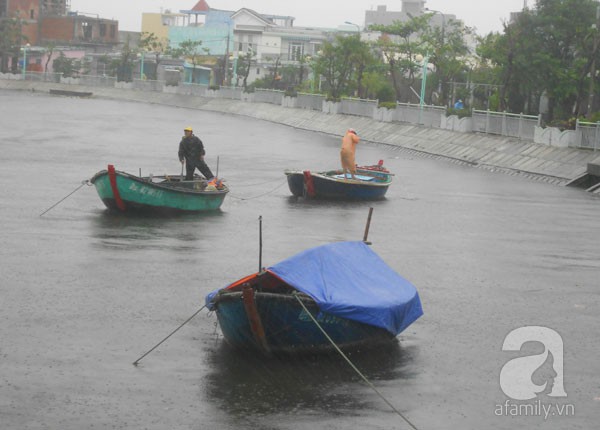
188,49
151,43
244,63
125,63
399,45
11,39
338,64
448,51
64,65
565,27
549,50
49,52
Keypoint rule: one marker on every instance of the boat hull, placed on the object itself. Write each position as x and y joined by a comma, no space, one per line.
326,186
288,328
128,193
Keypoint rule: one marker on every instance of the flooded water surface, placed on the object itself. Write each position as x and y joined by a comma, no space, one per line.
86,292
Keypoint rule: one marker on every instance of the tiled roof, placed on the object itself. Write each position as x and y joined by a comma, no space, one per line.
201,6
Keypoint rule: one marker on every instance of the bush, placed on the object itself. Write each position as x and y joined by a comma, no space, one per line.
291,92
387,105
461,113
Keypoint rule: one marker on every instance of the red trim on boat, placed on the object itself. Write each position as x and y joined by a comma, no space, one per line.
112,176
308,183
254,318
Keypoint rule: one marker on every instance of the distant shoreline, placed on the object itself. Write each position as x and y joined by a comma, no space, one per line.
497,153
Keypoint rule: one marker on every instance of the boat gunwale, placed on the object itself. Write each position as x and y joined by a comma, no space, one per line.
349,181
145,180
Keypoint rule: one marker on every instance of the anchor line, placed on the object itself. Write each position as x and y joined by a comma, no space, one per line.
260,195
363,377
84,182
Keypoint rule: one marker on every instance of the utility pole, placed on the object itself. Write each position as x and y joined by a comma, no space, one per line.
226,71
593,68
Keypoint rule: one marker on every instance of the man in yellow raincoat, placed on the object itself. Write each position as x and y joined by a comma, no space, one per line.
348,151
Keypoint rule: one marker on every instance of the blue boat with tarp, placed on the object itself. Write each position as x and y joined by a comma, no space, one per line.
336,295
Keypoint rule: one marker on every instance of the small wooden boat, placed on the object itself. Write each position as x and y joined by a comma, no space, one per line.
69,93
124,192
370,183
342,289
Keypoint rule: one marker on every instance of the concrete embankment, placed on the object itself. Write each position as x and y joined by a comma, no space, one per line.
551,164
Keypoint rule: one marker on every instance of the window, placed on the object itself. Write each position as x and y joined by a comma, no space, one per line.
31,14
87,30
296,51
113,31
102,30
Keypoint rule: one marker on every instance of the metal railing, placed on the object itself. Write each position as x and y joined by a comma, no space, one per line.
428,115
588,135
359,107
263,95
310,101
499,123
42,77
506,124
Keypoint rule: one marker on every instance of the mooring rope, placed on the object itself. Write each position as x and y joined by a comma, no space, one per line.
260,195
135,363
85,182
364,378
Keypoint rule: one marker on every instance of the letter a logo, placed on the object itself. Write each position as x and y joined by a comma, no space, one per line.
515,376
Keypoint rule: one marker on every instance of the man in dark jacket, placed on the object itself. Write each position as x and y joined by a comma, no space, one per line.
191,152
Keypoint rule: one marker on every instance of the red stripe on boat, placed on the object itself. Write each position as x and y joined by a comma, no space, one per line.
254,318
112,176
308,183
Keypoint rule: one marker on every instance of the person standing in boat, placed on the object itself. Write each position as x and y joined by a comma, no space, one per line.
348,152
191,152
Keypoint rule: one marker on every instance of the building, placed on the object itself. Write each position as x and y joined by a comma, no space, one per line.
48,22
270,40
410,8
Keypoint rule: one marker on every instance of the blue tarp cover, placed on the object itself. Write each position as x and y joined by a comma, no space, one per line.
349,280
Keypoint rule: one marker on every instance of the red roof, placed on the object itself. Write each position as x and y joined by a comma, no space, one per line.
201,6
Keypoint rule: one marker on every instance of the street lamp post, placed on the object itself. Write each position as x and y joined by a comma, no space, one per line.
590,105
425,61
356,25
441,46
25,60
142,66
226,80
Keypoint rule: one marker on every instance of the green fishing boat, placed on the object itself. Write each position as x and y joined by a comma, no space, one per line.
123,192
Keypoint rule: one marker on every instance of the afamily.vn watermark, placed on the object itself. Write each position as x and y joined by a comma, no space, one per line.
536,373
511,408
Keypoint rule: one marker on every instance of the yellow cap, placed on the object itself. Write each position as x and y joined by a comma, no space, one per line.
188,129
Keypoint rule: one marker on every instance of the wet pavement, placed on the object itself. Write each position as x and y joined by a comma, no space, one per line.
85,293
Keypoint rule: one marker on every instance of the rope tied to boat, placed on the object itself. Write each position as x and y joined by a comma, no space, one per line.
84,182
260,195
363,377
135,363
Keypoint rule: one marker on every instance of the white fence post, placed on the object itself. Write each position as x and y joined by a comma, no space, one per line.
520,125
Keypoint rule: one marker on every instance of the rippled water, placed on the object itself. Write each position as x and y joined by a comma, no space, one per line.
86,292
